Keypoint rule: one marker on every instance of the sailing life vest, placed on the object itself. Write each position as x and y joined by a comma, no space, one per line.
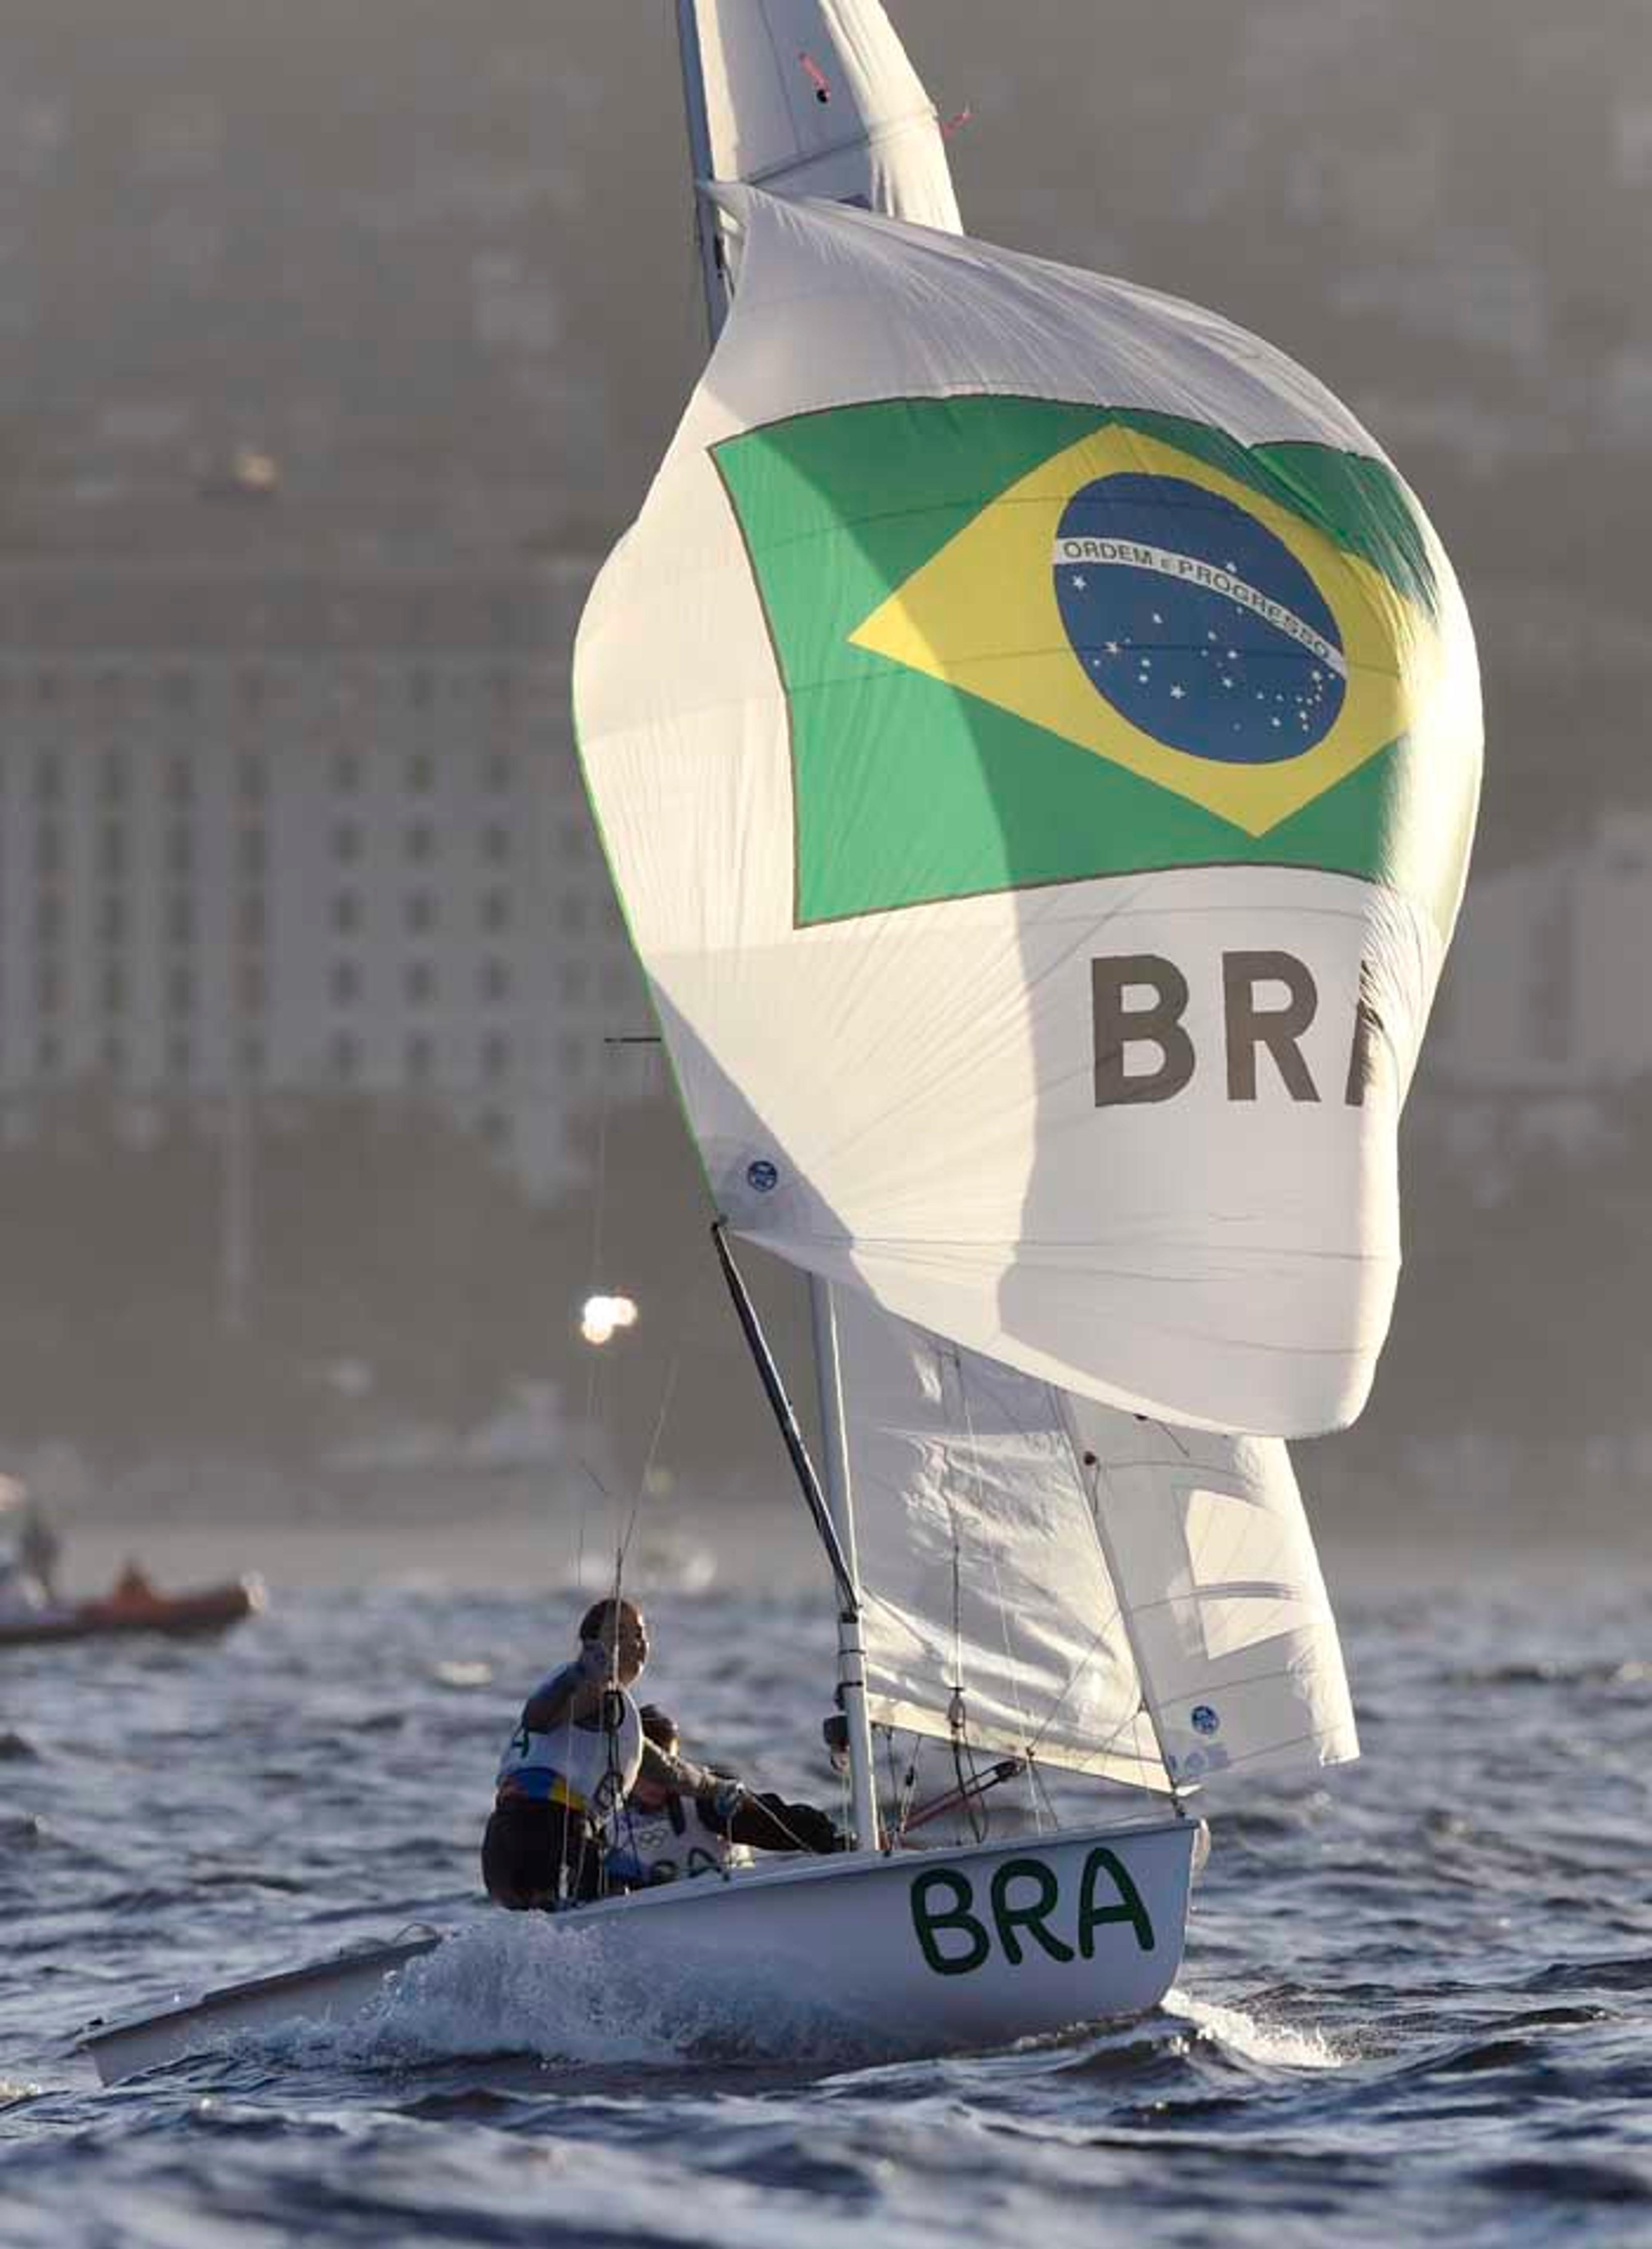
670,1845
589,1768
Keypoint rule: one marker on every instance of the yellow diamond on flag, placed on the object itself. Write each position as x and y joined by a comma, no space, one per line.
1144,605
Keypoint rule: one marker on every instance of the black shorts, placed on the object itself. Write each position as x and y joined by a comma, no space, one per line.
538,1856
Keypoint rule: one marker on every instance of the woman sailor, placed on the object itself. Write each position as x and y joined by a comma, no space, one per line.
657,1838
577,1752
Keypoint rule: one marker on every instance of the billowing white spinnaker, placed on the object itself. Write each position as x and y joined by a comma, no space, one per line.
1042,944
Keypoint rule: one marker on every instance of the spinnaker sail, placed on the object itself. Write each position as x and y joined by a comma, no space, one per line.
1035,736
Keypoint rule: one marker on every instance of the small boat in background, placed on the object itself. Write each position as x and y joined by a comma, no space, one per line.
134,1605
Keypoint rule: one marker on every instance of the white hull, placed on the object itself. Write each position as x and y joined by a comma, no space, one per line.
326,1992
917,1952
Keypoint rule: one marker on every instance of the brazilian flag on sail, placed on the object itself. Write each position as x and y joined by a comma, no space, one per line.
1025,643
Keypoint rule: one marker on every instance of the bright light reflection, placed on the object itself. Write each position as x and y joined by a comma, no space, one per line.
603,1314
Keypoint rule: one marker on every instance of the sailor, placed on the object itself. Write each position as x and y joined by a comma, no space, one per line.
39,1548
23,1590
577,1752
660,1838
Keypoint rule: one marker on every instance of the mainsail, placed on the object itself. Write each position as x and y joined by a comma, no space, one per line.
818,97
1051,1578
1035,736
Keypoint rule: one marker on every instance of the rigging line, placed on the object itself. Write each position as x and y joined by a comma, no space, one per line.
1023,1713
956,1715
653,1450
1081,1460
910,1787
785,1415
599,1204
1076,1673
957,1682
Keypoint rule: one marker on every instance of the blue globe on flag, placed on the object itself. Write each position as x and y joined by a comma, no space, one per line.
1195,622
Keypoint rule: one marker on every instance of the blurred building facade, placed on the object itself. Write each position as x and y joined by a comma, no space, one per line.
267,831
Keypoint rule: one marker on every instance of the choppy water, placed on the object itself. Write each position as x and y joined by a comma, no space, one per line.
1416,2002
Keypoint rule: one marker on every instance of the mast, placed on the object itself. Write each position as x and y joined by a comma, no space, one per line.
713,279
840,1500
851,1657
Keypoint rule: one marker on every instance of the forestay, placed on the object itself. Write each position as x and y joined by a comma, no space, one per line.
1048,1577
1036,735
818,97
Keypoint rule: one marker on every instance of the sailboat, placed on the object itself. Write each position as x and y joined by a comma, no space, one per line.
1034,736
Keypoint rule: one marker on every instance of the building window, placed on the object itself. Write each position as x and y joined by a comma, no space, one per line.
254,851
420,1059
253,922
496,773
48,778
421,772
255,779
571,915
255,691
495,1056
177,690
495,980
180,779
496,1130
112,851
48,984
113,1053
421,838
47,686
576,841
254,988
180,849
346,773
48,847
112,921
113,778
179,991
496,910
576,983
48,1054
48,917
180,1057
496,845
345,983
420,982
252,1055
181,918
347,912
346,1056
421,910
570,1058
346,842
114,988
420,690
